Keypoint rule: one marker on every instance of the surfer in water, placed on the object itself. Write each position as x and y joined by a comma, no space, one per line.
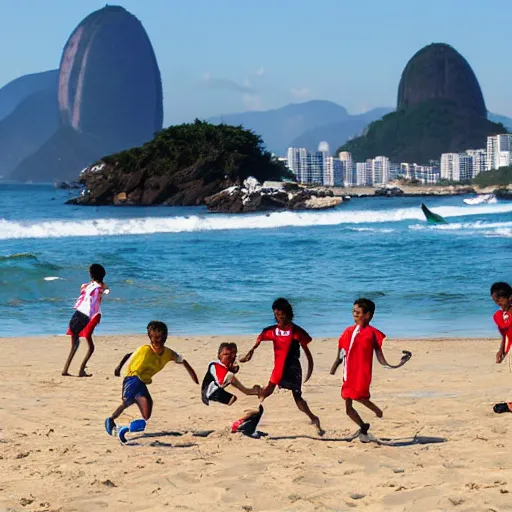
287,339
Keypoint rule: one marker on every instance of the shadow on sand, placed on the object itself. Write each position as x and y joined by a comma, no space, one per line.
168,433
384,441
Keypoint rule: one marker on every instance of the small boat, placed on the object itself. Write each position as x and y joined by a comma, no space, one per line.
432,218
481,198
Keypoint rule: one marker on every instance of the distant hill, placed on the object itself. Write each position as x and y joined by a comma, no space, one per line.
505,121
340,131
440,109
27,128
281,126
13,93
423,132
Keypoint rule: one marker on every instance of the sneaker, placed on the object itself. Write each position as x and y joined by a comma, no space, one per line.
121,433
110,426
363,433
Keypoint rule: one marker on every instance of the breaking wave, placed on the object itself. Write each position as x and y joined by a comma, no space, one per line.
213,222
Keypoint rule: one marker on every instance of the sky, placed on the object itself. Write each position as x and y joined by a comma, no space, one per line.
224,56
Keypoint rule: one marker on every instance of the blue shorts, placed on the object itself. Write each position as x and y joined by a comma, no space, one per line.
132,388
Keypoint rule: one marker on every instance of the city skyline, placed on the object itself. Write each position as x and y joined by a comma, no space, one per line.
217,59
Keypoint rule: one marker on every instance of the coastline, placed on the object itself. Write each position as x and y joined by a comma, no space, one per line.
445,446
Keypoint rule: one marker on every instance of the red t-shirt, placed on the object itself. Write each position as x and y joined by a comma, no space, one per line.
503,320
284,340
358,344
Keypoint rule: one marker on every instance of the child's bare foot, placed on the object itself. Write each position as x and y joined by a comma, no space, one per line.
316,422
379,413
84,374
66,374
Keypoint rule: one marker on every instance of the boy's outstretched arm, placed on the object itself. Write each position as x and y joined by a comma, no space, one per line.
190,371
382,360
249,354
339,359
255,390
117,371
311,365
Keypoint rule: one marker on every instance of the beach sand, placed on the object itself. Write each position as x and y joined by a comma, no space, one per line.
448,450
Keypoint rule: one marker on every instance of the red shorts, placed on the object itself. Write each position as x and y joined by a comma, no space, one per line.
354,394
89,328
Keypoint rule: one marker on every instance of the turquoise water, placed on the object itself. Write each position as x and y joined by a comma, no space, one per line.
210,274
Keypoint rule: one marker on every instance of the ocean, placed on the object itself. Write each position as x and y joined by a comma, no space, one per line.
206,273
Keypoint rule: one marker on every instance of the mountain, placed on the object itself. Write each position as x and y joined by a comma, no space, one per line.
505,121
27,128
335,132
13,93
440,109
280,127
109,98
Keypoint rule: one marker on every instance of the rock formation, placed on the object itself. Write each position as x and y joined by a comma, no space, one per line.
440,110
109,97
439,72
109,81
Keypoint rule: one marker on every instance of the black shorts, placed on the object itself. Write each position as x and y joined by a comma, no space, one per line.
292,376
78,322
221,395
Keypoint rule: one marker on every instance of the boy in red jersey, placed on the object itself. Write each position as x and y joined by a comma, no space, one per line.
287,373
355,347
501,294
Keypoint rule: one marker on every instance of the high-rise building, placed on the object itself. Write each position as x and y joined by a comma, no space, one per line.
456,166
498,151
298,163
316,165
333,173
364,173
479,160
348,169
380,170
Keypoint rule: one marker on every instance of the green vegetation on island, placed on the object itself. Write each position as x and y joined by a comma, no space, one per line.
422,132
181,166
499,177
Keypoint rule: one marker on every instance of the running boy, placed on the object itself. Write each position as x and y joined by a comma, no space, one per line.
356,346
501,294
287,339
87,316
220,374
145,362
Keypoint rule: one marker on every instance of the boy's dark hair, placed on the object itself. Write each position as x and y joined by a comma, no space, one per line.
367,305
97,272
284,306
156,326
230,346
502,290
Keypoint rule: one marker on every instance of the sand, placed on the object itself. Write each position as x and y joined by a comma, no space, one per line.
446,449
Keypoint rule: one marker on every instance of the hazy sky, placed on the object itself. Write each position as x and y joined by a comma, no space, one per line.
222,56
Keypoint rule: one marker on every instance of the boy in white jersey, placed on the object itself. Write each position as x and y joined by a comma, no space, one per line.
87,316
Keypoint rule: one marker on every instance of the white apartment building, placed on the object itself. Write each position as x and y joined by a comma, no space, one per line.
479,160
298,163
498,151
380,170
316,165
348,169
333,172
364,173
456,166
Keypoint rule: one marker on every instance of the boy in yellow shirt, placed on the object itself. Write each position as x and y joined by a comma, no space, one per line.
145,362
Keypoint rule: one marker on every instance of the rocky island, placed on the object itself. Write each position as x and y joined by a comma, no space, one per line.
219,166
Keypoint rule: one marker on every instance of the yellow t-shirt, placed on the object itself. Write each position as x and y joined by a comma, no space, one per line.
145,363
